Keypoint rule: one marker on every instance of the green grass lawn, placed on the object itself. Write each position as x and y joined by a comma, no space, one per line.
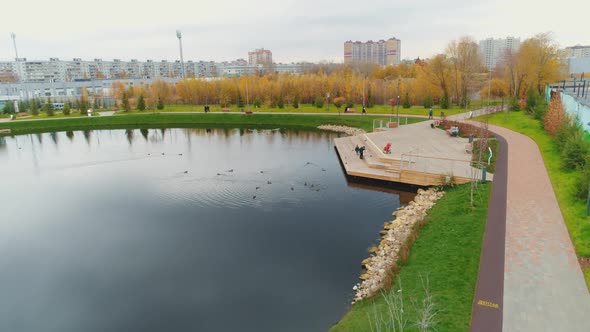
160,120
447,251
573,211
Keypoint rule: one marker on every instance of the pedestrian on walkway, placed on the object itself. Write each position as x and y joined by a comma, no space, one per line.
430,114
361,151
364,111
357,149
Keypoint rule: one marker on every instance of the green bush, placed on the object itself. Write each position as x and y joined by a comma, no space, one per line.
67,109
48,107
444,101
427,102
281,102
257,102
319,102
540,110
126,104
8,108
407,101
296,102
140,103
570,128
532,100
513,104
582,182
370,99
34,108
349,103
240,102
575,152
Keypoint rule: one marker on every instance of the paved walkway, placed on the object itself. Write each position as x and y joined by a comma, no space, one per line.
543,285
544,288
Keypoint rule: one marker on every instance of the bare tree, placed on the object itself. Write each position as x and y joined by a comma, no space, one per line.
466,61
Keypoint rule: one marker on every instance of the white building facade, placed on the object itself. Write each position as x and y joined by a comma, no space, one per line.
56,70
493,50
578,51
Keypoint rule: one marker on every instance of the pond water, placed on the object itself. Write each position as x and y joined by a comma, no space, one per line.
180,230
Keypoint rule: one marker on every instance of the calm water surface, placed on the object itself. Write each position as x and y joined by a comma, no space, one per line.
180,230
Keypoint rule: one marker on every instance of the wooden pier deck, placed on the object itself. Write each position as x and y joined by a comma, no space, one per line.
419,155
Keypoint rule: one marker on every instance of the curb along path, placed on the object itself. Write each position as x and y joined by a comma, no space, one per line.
488,302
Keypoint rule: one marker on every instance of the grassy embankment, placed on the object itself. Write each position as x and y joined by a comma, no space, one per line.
573,211
377,109
307,108
160,120
447,252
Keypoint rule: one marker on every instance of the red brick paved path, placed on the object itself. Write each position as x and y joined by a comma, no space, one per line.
543,286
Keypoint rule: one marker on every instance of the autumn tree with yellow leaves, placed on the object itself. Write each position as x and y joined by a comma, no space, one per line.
450,77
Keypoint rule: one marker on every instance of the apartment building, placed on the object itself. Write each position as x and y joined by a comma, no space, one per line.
56,70
134,69
382,52
259,57
62,91
577,51
493,50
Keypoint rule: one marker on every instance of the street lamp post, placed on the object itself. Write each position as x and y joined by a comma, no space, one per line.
489,89
398,93
20,71
398,110
384,92
364,79
179,36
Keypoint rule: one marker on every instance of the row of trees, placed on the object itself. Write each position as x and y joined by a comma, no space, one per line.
450,78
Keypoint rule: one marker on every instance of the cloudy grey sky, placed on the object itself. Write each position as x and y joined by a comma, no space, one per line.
294,30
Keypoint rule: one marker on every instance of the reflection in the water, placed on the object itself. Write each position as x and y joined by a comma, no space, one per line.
129,134
87,135
405,192
144,133
53,137
187,223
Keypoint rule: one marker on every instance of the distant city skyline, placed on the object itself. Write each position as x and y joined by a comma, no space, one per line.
295,31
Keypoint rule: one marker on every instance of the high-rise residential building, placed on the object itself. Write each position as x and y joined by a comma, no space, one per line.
493,50
577,51
382,52
259,57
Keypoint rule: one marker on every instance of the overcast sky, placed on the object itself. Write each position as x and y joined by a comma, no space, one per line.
294,30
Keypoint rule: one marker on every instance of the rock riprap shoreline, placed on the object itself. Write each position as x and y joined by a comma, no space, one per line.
342,129
396,239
